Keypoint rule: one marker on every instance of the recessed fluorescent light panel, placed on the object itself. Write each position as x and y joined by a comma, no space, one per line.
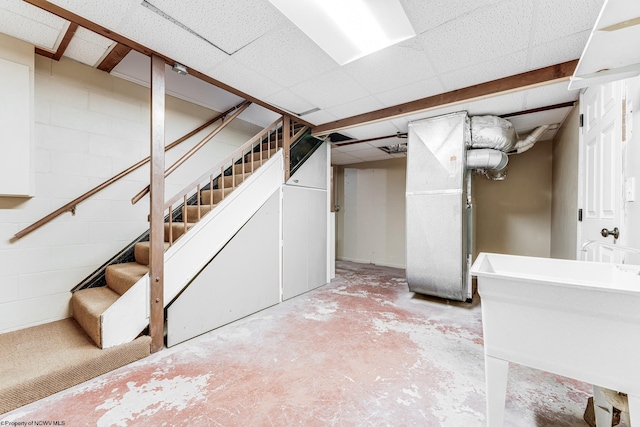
349,29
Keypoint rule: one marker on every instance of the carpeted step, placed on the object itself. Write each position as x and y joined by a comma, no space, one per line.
141,252
49,358
88,305
177,230
120,277
207,195
248,167
228,180
190,213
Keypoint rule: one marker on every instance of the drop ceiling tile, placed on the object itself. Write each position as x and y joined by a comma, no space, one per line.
225,23
527,122
259,115
242,78
363,105
386,142
31,24
551,19
286,56
498,105
287,100
393,67
106,13
319,117
557,51
342,159
373,155
330,89
487,33
549,95
352,149
87,47
374,130
135,67
411,92
402,123
163,36
509,65
425,15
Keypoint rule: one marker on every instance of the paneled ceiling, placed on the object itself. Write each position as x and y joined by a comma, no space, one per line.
250,46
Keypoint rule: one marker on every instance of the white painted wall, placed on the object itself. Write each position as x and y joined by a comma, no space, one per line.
16,117
370,225
564,198
88,126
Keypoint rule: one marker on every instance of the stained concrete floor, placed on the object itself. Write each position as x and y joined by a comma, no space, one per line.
360,351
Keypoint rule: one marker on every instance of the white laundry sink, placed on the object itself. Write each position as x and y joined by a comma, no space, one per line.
573,318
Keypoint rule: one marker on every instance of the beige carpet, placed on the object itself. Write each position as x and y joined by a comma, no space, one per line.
42,360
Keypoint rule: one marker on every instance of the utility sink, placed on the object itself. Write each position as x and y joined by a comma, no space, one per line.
577,319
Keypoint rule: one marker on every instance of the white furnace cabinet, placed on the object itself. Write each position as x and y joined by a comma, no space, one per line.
438,211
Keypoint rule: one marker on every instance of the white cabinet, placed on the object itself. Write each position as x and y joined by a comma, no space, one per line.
304,239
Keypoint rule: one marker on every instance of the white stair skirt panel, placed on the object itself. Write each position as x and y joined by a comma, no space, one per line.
129,315
305,213
243,278
313,172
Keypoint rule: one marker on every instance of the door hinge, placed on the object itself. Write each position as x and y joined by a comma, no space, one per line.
579,215
581,120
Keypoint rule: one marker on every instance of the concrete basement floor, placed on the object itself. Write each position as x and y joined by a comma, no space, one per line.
360,351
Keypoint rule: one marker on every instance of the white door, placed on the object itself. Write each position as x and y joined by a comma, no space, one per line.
601,170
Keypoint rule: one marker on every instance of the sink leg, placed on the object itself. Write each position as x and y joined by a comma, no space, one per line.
602,408
634,410
496,371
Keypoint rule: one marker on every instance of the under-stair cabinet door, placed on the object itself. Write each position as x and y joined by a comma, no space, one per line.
304,239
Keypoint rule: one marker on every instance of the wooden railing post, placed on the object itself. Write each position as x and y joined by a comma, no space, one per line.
286,145
156,234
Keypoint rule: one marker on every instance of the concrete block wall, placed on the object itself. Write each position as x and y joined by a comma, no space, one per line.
89,126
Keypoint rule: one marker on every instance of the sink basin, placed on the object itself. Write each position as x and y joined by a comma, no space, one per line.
555,315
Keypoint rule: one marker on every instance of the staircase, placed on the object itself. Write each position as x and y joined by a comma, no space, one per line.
114,317
89,305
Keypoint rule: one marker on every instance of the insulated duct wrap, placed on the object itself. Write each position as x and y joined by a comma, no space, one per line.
492,132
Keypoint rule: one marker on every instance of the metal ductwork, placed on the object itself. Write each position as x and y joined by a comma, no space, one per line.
525,144
491,138
486,158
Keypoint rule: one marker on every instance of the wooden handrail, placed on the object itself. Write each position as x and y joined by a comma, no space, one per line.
221,164
243,106
71,206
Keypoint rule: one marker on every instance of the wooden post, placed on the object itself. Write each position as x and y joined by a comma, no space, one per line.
286,142
156,235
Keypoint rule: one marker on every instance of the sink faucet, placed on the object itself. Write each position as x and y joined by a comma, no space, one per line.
588,243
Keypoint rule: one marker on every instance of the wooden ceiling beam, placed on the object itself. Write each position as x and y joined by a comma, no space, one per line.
62,47
98,29
114,57
530,79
